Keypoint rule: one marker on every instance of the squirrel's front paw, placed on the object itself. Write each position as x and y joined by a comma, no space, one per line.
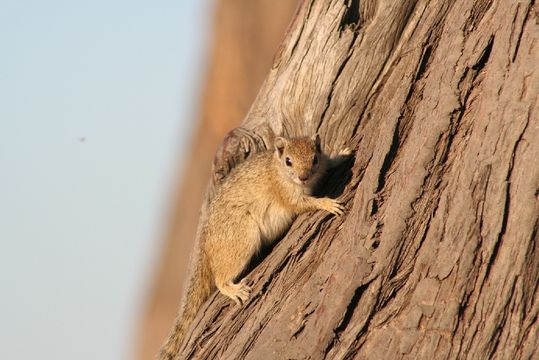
346,152
333,206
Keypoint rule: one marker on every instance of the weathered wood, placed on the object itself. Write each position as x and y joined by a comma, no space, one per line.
438,254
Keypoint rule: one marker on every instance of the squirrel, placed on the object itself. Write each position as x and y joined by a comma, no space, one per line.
256,203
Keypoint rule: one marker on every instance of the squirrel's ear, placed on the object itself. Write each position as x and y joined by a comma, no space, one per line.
279,143
316,140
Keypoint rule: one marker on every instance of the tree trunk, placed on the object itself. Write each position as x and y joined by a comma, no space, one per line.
437,255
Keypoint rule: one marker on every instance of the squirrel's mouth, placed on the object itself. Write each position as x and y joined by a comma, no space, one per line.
304,182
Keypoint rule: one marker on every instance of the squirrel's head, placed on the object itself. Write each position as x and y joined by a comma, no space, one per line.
300,158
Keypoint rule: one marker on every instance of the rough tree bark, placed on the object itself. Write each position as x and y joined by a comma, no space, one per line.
437,256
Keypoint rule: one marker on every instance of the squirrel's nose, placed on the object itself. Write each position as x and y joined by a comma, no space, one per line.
304,177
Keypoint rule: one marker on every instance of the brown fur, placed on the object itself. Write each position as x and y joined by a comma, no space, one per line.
256,204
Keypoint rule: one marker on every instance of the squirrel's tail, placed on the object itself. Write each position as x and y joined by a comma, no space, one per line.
197,292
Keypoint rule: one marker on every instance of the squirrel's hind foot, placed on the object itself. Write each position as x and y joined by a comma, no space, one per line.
240,292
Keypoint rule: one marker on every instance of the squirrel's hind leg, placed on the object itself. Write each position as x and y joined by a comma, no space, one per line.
242,242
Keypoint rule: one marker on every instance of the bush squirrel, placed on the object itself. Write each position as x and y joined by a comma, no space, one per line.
256,203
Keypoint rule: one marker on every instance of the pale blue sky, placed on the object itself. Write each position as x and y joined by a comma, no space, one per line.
96,102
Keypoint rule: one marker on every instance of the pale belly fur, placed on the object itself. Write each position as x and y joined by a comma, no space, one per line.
275,221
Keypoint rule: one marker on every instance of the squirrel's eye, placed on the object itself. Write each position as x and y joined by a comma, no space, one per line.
288,162
315,160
